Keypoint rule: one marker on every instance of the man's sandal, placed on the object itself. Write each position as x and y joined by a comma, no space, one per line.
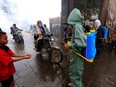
70,84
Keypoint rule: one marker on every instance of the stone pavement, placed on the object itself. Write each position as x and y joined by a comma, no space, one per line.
101,73
38,72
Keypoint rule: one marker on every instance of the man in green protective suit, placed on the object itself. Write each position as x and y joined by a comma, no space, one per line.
78,43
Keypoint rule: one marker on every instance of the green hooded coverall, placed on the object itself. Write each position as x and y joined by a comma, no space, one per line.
78,42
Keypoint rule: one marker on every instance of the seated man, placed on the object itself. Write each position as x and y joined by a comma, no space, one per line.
47,32
14,28
40,32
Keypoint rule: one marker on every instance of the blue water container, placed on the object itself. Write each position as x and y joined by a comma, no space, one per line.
90,50
105,32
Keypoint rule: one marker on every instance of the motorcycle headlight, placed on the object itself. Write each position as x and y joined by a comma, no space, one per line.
52,39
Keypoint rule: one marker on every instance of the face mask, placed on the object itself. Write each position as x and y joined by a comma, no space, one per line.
40,25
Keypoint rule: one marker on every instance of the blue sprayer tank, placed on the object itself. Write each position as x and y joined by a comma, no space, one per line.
90,50
105,32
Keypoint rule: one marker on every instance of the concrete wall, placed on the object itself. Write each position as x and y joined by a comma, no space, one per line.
55,26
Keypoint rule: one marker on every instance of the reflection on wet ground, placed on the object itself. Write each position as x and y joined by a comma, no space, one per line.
37,72
52,75
101,73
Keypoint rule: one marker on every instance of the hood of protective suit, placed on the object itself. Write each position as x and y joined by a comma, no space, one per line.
78,35
97,24
74,17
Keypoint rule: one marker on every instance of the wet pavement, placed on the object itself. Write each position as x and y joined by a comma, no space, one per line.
38,72
102,72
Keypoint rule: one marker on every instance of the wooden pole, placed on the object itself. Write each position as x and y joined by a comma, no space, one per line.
71,5
104,11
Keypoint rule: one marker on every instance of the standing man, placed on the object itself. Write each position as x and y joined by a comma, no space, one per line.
99,37
78,43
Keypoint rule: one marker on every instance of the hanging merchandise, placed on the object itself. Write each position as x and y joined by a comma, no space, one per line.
105,33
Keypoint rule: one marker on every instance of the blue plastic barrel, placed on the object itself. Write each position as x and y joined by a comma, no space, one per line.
90,50
105,32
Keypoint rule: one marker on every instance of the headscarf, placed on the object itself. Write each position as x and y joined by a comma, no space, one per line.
98,23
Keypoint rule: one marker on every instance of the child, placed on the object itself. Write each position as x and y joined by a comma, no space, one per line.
7,57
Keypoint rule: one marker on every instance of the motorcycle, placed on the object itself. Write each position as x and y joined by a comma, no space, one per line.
18,37
49,51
